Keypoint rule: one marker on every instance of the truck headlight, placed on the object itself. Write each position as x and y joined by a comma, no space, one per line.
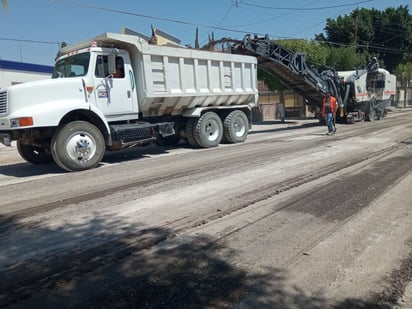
21,122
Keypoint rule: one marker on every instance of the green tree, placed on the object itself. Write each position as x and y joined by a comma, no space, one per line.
316,55
5,5
355,28
403,73
270,81
315,52
273,84
346,58
386,34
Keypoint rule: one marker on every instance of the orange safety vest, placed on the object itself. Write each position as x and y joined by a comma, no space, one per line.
332,105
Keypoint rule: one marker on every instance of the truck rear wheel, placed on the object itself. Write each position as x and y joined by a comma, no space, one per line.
235,127
208,130
190,123
33,154
78,146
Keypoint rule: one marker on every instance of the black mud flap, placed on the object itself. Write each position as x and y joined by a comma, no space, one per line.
166,128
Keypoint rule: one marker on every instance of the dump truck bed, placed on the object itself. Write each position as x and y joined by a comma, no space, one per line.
171,80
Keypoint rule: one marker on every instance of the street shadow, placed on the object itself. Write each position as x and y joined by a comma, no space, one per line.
108,263
290,126
26,169
272,122
133,153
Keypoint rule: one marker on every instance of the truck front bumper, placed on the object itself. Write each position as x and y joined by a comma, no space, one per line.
5,139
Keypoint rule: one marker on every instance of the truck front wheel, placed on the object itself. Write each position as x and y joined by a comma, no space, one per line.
78,146
33,154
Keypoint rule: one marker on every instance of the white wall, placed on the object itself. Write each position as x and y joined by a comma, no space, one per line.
10,77
401,97
13,72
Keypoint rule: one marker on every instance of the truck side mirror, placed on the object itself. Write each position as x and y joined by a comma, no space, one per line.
112,63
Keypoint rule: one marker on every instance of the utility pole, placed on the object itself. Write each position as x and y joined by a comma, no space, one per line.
356,30
197,38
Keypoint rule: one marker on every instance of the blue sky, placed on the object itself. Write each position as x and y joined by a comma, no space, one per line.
30,30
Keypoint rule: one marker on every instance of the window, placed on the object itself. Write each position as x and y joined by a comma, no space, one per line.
102,67
76,65
119,68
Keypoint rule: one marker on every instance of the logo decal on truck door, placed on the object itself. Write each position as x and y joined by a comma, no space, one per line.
102,93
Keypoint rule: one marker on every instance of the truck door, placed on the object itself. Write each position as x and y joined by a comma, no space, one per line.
115,92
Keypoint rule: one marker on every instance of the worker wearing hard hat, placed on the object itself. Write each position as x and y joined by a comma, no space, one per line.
329,108
373,65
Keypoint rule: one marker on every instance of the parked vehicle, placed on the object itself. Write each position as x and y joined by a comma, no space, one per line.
118,90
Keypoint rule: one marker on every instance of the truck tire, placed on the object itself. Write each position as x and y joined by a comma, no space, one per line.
78,146
33,154
235,127
208,130
190,123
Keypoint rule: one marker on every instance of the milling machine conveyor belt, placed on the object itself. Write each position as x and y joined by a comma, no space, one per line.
290,69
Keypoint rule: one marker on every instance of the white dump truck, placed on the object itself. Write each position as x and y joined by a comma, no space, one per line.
118,90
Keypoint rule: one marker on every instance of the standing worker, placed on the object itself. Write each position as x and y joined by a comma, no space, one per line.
329,107
373,65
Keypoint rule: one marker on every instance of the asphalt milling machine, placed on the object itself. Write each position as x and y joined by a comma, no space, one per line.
362,94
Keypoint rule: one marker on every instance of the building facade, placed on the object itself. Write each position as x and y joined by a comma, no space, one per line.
272,102
13,73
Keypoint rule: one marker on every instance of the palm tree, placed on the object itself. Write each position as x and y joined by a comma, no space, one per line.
4,4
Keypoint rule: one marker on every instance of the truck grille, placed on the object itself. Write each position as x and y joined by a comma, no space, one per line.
3,102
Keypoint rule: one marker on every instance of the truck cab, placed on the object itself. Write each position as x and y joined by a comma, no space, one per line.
92,92
108,76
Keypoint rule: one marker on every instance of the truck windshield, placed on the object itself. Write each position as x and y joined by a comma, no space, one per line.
73,66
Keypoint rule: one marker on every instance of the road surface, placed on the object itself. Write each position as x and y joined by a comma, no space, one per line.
291,218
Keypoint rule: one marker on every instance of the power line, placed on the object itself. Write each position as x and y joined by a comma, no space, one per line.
155,17
29,41
224,17
160,18
303,8
283,14
128,13
374,47
218,26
